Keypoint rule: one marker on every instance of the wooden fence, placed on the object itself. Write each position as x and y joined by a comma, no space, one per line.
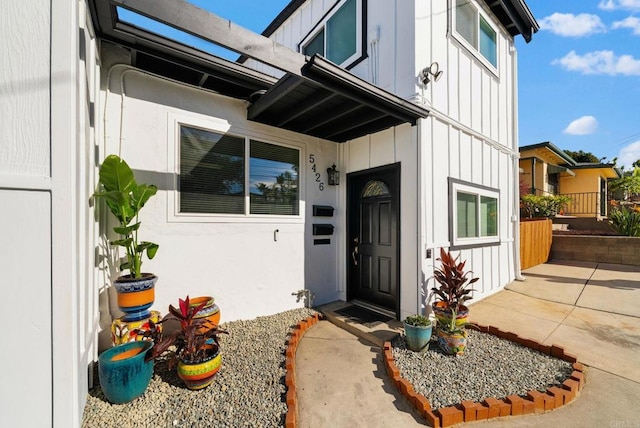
535,241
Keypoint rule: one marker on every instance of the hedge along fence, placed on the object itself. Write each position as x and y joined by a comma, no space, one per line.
535,241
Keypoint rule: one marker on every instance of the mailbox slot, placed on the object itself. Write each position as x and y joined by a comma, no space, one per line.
322,211
322,229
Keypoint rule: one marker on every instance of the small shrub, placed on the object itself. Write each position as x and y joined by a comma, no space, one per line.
625,222
543,206
418,320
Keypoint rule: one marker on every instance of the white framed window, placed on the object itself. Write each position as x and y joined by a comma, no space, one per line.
474,214
222,173
472,28
338,37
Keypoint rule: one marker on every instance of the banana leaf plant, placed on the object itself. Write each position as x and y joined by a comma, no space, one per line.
125,198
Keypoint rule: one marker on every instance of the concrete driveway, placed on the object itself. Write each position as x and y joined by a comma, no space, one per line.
593,311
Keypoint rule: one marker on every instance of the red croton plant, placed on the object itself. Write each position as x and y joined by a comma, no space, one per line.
195,340
453,281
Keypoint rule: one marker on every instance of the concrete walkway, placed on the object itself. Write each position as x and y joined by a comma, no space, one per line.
593,311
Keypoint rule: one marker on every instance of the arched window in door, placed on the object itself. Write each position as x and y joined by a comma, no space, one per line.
375,188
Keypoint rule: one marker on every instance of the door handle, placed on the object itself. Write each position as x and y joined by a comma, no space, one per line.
354,253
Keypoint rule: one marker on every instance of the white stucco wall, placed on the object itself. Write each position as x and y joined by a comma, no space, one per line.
235,259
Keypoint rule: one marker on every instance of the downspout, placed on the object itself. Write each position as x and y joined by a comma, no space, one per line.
515,217
533,175
420,212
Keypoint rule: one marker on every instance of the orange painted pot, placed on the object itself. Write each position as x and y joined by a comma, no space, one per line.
199,375
210,312
135,296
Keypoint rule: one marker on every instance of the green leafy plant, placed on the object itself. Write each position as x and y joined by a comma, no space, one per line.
543,206
418,320
450,326
194,339
453,281
624,221
125,198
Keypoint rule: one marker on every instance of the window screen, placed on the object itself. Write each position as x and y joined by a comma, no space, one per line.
211,172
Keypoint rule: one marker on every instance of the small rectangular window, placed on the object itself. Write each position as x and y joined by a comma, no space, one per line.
341,33
214,167
488,47
316,45
339,36
471,25
474,214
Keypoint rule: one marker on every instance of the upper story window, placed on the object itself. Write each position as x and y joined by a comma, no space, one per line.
474,214
338,37
228,174
475,29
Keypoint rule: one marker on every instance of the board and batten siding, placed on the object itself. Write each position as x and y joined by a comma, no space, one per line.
47,89
451,152
250,265
471,136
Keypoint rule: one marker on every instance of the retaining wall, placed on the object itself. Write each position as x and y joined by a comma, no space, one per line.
600,249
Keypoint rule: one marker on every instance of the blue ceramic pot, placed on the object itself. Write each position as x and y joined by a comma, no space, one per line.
124,375
418,337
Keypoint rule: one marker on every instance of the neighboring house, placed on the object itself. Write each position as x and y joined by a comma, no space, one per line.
419,117
547,170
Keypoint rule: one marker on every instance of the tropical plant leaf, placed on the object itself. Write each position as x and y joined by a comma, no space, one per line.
142,193
127,229
115,175
122,242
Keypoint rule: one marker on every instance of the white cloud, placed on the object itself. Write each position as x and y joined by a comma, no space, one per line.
570,25
629,154
631,22
584,125
619,4
600,62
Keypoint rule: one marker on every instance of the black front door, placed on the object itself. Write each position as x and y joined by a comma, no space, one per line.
373,235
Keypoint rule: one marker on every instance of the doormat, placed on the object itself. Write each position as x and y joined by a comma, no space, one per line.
363,316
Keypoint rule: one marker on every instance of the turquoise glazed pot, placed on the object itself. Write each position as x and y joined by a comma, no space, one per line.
418,337
124,375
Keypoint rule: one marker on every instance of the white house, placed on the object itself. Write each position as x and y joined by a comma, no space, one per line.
415,106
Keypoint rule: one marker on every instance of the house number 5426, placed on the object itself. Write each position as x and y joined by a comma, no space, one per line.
316,174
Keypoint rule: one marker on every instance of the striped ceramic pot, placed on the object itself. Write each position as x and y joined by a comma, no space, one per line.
199,375
443,313
452,343
135,296
210,311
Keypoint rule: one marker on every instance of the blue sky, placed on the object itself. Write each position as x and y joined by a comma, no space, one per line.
579,78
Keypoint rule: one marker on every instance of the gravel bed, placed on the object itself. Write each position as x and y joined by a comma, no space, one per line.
248,391
490,367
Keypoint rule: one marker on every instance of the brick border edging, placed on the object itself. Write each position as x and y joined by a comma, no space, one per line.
291,419
467,411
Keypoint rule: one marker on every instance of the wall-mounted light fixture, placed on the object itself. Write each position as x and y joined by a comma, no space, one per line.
334,175
430,73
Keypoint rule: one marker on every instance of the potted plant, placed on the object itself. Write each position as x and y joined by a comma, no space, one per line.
452,335
125,198
124,372
451,294
417,329
195,348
